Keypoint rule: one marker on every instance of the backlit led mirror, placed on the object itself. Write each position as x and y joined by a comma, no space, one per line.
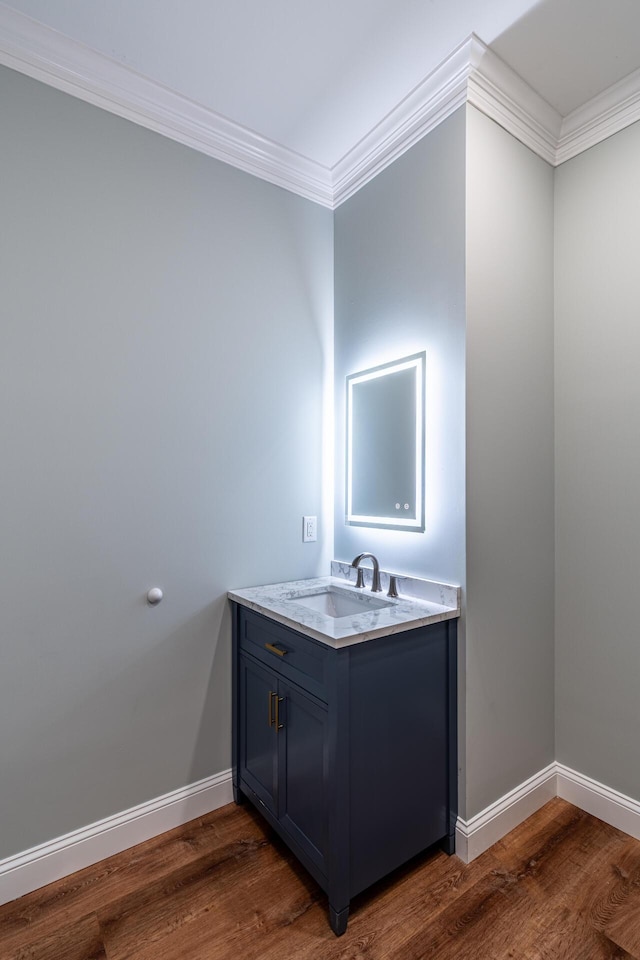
385,445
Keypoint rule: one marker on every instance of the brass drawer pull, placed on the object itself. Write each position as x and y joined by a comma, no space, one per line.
273,649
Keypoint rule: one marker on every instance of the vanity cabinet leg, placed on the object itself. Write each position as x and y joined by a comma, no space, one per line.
448,844
338,920
238,796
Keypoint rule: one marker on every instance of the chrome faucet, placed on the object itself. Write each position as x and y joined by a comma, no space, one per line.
375,583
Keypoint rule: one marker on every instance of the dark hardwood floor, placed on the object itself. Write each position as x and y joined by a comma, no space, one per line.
562,886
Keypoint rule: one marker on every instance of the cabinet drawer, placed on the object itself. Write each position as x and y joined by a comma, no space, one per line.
297,658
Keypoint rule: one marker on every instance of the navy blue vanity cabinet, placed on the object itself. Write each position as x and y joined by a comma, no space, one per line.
350,754
284,752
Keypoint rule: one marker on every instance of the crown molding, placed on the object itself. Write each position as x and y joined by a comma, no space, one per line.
53,58
433,100
472,73
608,113
497,91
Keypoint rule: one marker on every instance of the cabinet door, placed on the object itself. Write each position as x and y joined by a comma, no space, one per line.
303,770
258,747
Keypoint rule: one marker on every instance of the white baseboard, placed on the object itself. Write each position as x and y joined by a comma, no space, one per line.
57,858
599,800
476,835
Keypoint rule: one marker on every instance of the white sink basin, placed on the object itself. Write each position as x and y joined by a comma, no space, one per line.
333,602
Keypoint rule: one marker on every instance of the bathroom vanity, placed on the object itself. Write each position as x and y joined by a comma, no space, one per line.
344,726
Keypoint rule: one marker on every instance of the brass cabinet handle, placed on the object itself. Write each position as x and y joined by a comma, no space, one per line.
277,650
271,696
279,725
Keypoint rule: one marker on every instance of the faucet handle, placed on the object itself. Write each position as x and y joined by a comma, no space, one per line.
393,584
360,578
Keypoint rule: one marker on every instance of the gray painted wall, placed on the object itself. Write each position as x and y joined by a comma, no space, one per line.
399,288
598,461
165,337
509,461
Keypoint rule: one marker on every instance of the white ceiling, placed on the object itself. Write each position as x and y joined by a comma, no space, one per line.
317,77
571,50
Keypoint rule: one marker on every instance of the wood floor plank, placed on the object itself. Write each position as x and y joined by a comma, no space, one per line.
535,841
607,881
616,908
284,911
381,917
568,936
175,902
555,858
240,881
489,915
81,940
625,931
112,879
583,874
215,932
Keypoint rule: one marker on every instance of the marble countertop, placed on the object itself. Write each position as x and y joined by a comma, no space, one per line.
278,602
